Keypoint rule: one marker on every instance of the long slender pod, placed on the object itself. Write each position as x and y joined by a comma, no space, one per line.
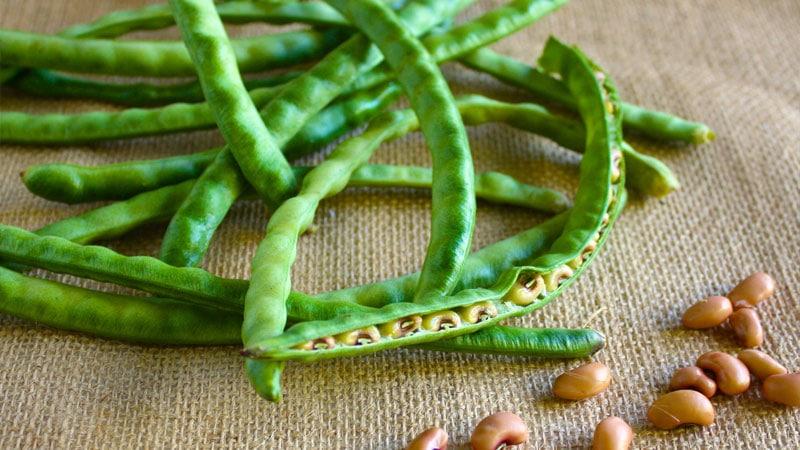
248,138
521,289
653,124
199,287
284,116
160,58
265,311
46,83
453,208
265,308
151,320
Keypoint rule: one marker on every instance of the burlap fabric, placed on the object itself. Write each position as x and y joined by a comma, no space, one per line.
731,63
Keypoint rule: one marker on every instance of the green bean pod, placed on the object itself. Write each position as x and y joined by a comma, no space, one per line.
191,229
151,320
472,35
656,125
199,287
71,183
453,208
265,311
248,138
519,290
45,83
285,115
119,218
159,58
529,342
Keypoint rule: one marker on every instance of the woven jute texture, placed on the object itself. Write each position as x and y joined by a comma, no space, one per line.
730,63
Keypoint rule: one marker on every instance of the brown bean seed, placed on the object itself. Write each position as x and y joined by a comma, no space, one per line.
739,304
612,433
681,408
693,378
783,389
582,382
431,439
731,375
761,364
707,313
502,428
747,327
755,288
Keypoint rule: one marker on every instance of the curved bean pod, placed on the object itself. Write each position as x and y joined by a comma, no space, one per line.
200,287
265,309
72,183
653,124
159,58
598,203
248,138
529,342
191,229
284,116
45,83
151,320
453,208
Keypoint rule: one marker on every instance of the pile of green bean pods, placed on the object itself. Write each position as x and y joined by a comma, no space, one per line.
336,75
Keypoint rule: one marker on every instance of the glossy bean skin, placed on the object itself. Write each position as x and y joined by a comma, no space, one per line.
707,313
159,58
760,364
582,382
453,207
731,375
653,124
612,433
431,439
685,407
754,289
693,378
582,233
747,327
498,429
783,389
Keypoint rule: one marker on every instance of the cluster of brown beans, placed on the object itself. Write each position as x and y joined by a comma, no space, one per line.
493,432
738,309
713,372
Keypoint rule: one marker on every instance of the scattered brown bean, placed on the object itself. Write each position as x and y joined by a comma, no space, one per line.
747,327
761,364
693,378
499,429
755,288
431,439
731,375
582,382
612,433
707,313
783,389
681,408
